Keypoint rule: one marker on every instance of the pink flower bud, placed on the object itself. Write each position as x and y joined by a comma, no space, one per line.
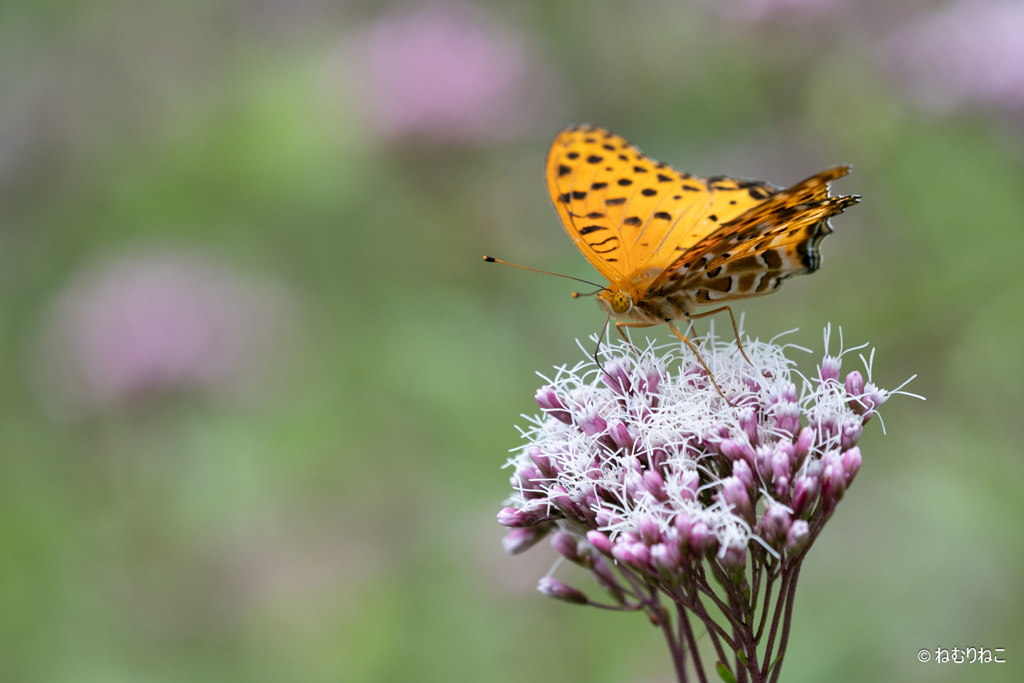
788,392
829,371
528,480
655,485
796,537
566,545
600,540
736,451
682,526
650,532
805,492
634,554
520,540
734,557
787,418
741,470
543,462
872,399
616,376
851,464
553,588
560,498
833,479
666,558
689,483
513,517
649,380
781,471
775,523
701,539
827,428
748,423
621,436
591,422
633,483
854,386
802,446
551,403
764,456
850,433
641,555
606,518
734,494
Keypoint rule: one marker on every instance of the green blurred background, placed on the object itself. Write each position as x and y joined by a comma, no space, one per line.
257,385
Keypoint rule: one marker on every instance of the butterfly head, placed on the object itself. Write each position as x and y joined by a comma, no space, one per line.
616,303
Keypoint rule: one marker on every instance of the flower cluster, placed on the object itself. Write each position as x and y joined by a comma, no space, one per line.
647,475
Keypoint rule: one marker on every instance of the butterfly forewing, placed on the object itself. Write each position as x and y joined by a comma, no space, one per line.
626,211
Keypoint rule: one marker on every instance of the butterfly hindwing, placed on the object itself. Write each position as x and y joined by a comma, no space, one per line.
755,253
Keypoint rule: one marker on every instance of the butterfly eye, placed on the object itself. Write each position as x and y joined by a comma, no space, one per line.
621,302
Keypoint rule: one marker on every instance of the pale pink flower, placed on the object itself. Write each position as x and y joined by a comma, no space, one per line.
971,51
445,71
143,326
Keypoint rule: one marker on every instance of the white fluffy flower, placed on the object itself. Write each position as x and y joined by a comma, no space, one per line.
645,459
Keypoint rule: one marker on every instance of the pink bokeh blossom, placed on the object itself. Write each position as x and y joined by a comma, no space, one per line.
444,71
972,51
145,326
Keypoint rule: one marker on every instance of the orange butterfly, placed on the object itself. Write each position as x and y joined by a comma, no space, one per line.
669,242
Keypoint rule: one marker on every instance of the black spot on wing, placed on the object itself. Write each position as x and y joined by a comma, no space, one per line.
625,182
591,228
594,159
648,192
664,178
632,220
618,201
579,194
598,186
563,170
664,215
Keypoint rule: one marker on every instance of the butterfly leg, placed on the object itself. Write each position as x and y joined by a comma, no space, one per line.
619,326
675,331
735,328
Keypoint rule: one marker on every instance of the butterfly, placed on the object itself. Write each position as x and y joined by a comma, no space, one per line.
669,242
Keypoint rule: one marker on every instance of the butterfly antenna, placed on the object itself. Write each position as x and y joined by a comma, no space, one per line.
577,295
491,259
